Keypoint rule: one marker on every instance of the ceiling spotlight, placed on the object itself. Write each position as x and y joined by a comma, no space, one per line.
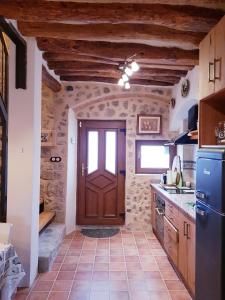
134,66
127,85
128,71
120,82
125,77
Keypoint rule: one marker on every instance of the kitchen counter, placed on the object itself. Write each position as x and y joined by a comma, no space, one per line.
182,201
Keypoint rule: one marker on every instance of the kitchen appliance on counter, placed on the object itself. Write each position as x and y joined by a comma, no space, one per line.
159,220
210,225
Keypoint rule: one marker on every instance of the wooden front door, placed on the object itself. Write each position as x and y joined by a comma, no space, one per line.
101,173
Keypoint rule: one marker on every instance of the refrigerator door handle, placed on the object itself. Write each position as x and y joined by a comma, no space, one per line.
200,195
200,212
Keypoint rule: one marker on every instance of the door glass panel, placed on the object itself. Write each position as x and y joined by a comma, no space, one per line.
110,155
92,151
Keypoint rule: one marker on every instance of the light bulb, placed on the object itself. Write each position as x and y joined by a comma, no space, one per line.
134,66
125,77
120,82
128,71
127,85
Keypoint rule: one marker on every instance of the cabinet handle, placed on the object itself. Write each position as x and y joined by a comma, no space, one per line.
188,226
217,62
185,227
211,67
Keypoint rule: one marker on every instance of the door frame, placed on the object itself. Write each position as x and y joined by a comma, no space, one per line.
79,163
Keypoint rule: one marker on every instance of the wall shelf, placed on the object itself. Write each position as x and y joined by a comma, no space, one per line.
45,218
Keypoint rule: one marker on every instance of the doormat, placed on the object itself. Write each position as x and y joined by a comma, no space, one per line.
100,233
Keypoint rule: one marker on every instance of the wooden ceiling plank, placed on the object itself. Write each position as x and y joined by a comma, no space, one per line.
186,18
50,81
127,33
122,51
114,81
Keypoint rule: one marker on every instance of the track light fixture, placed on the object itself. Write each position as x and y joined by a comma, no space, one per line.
127,69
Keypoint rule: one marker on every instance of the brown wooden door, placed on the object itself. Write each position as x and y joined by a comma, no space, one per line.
101,173
182,256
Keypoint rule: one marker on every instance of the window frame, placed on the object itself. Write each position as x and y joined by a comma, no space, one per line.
139,143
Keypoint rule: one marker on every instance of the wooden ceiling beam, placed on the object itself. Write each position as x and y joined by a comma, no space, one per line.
127,33
116,72
50,81
214,4
120,51
186,18
114,81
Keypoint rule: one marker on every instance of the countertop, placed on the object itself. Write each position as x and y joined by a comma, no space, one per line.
180,200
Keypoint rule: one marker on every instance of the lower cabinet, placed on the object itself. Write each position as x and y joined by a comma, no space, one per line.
171,240
153,207
186,257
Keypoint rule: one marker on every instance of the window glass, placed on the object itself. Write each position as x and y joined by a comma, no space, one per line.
110,156
154,156
92,151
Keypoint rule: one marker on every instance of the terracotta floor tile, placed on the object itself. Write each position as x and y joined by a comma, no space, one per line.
71,259
115,266
116,246
169,275
79,295
100,275
174,285
119,295
48,275
68,267
89,245
133,266
158,252
132,258
58,296
81,285
152,275
59,259
144,251
131,252
84,275
88,252
102,252
117,258
101,259
100,285
117,275
155,285
84,267
87,259
42,286
118,285
62,285
116,252
180,295
99,296
74,252
56,266
138,285
101,267
62,252
135,275
150,266
160,295
66,275
140,295
38,296
19,297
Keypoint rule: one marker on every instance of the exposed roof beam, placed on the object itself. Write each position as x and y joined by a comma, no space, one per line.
187,18
127,33
114,81
122,51
50,81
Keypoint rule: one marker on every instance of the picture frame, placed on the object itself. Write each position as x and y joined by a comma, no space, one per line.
149,124
47,138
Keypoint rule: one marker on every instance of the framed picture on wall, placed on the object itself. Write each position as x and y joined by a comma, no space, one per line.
47,138
149,124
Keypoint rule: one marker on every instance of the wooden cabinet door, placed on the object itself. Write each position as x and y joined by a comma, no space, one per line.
153,206
171,240
206,65
220,55
191,256
182,253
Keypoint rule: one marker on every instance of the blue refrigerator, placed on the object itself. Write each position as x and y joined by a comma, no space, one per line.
210,225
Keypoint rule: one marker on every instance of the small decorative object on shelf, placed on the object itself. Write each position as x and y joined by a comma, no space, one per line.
185,88
173,102
148,124
47,138
220,133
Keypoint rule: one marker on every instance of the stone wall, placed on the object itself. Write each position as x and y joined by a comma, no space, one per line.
103,101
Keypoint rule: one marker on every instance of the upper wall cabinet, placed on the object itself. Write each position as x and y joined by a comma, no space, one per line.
212,61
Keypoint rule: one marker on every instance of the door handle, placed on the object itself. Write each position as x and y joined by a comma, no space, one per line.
200,195
188,227
185,227
211,67
200,211
159,212
83,169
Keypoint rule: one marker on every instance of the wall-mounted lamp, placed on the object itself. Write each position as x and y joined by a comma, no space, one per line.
127,69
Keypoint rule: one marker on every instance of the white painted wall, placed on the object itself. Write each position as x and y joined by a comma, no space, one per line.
180,112
24,160
71,173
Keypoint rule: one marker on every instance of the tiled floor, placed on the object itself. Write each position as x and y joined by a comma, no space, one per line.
131,265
